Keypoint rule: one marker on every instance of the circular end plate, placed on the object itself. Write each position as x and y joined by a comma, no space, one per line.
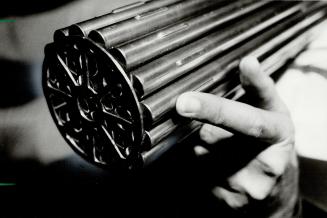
92,102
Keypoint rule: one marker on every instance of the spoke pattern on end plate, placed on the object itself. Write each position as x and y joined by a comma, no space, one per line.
92,102
55,84
113,143
97,82
68,72
74,60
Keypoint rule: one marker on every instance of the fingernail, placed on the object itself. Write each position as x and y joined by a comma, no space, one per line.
188,105
250,65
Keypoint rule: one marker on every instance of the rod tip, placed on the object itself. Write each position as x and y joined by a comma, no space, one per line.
60,34
97,37
76,30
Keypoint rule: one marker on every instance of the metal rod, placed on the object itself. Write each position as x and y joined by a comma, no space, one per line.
179,132
158,133
60,34
160,103
151,77
148,22
118,15
178,135
150,47
271,64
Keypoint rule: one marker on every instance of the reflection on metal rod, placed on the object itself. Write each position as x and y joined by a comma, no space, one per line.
115,114
161,131
160,103
175,130
148,22
150,47
158,73
118,15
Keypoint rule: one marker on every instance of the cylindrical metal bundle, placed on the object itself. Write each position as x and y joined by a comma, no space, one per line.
160,103
113,99
151,46
179,130
160,72
285,39
119,14
150,21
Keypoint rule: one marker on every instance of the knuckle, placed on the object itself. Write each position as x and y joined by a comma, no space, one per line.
253,182
205,134
260,194
218,117
233,199
275,170
270,83
274,160
200,150
258,127
287,132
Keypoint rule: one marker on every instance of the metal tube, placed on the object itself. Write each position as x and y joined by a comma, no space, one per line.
117,15
178,135
148,22
150,47
60,34
175,130
158,133
162,102
149,78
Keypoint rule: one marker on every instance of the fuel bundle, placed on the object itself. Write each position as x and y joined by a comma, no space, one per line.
111,82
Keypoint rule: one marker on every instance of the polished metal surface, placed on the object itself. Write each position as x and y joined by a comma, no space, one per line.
151,46
92,101
111,82
285,46
158,73
118,15
148,22
162,102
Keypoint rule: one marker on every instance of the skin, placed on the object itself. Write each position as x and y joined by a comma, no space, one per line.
266,122
26,131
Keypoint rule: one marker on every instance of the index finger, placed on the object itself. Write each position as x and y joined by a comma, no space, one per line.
234,116
259,85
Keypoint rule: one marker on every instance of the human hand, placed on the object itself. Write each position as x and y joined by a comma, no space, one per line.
266,122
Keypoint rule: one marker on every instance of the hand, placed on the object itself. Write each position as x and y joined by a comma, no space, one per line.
266,123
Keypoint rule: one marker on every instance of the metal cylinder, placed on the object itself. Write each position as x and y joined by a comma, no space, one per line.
118,15
174,129
148,22
111,113
60,34
150,47
159,104
151,77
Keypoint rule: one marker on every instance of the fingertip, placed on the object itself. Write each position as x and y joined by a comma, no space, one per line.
187,105
249,65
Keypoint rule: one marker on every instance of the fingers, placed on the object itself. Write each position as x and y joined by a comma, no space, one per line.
258,179
275,159
234,116
252,181
259,85
233,199
211,134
